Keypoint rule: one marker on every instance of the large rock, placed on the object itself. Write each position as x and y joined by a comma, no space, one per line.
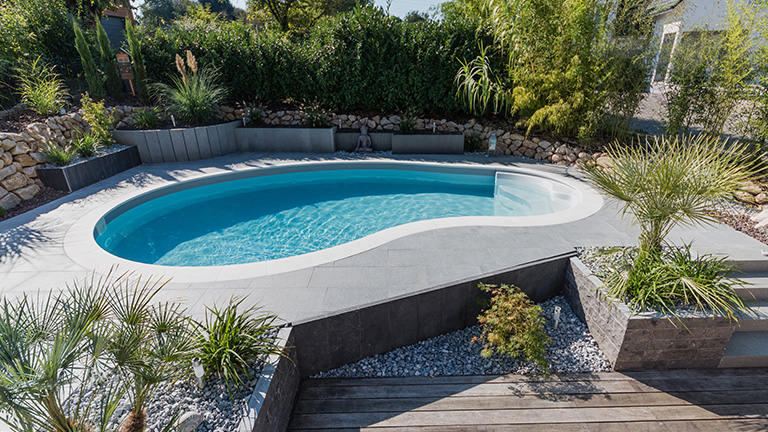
16,181
761,198
750,187
9,201
7,144
189,421
21,148
27,193
5,159
25,160
7,172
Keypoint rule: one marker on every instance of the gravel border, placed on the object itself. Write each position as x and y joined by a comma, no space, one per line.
572,350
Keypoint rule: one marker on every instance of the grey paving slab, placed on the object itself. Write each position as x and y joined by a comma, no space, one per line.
33,257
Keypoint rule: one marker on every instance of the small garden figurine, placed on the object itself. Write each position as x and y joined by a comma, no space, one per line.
363,142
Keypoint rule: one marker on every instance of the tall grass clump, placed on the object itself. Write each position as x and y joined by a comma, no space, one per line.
109,63
194,96
59,156
230,339
666,182
41,87
92,77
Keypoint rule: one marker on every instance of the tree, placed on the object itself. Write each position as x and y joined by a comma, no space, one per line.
416,16
223,7
109,63
298,14
137,60
95,86
160,12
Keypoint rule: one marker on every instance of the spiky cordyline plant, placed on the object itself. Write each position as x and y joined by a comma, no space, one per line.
669,181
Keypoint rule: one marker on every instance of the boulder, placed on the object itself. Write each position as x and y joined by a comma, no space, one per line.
9,201
744,197
30,172
7,172
25,160
761,198
5,159
28,192
750,187
15,181
21,148
8,144
189,421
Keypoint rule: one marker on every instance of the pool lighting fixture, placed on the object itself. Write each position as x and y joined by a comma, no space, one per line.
557,315
173,120
197,366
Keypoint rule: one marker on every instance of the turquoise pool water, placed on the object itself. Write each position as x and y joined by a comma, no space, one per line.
282,215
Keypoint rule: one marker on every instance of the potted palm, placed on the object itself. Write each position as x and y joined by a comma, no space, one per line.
658,306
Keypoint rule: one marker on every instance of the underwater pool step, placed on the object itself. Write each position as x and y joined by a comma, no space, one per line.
746,350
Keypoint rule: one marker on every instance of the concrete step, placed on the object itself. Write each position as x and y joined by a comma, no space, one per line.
746,349
756,288
757,322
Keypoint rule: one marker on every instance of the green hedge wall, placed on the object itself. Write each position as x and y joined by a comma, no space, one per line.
363,60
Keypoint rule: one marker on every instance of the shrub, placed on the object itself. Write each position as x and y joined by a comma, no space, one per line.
137,60
109,63
230,339
92,76
86,146
472,142
100,122
40,87
59,156
195,95
314,116
512,325
255,114
668,279
147,118
408,121
3,212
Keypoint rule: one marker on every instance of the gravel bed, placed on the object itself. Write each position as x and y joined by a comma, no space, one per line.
572,350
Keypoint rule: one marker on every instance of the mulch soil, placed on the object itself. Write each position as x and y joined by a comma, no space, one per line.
45,196
18,122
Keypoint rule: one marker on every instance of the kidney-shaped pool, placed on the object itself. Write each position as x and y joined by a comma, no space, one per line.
246,218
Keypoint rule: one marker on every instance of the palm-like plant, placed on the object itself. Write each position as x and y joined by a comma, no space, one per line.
663,183
148,345
46,348
670,181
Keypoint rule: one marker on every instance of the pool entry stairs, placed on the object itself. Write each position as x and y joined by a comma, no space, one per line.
748,346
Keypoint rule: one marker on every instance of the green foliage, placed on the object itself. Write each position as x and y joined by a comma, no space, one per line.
59,156
408,121
672,181
86,146
148,118
100,122
41,87
255,114
315,116
195,95
472,142
3,212
92,76
299,15
109,63
162,12
559,68
137,61
361,60
666,280
512,325
230,339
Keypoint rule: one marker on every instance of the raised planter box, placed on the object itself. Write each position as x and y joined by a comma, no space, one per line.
292,140
347,141
428,144
77,176
181,145
270,405
644,341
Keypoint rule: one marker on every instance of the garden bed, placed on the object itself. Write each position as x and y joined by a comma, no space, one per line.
648,340
89,171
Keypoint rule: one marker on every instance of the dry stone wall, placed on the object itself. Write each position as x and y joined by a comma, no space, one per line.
21,153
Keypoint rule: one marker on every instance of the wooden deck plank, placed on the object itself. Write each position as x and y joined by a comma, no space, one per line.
522,388
592,376
458,403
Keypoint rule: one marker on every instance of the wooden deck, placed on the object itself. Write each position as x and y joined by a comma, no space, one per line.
679,401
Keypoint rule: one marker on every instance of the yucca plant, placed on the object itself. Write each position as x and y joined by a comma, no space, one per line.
150,344
662,183
59,156
193,96
86,146
230,339
41,87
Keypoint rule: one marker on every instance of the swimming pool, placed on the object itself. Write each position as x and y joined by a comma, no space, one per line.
253,218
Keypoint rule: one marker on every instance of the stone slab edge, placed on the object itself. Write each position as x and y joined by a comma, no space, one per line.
271,403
